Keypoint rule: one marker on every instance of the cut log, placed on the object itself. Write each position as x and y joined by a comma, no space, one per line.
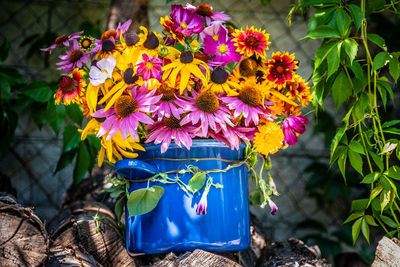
60,256
92,226
387,253
196,258
23,237
292,252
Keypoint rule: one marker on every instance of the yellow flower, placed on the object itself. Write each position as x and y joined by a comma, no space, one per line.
268,139
251,41
186,65
220,84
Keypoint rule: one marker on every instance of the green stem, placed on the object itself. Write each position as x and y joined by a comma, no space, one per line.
382,225
365,148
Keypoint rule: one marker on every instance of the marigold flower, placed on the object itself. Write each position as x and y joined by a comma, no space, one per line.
251,41
269,138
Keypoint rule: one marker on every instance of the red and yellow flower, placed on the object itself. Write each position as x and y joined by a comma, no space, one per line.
70,88
281,68
251,41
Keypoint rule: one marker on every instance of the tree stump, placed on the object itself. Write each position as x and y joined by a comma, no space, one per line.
60,256
92,226
387,253
23,239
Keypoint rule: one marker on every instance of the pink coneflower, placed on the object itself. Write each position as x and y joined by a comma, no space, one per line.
221,46
293,126
73,58
206,108
167,104
233,136
169,129
62,40
248,102
150,67
207,11
127,112
185,21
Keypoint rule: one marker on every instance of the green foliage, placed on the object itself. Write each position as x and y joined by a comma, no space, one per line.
359,71
144,200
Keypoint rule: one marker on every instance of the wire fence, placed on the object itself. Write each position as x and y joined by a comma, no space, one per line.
32,161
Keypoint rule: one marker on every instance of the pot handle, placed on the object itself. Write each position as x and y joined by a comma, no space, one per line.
134,169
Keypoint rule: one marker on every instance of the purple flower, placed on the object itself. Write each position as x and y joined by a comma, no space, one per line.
292,126
185,21
202,205
207,11
220,45
123,27
150,67
62,40
273,206
73,58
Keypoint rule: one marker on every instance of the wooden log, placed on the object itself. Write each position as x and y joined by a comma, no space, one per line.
196,258
60,256
387,253
23,237
92,226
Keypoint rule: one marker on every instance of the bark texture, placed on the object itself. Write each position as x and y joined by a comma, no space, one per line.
60,256
23,237
387,253
77,227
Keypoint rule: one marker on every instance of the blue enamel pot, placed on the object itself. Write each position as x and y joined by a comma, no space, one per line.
174,225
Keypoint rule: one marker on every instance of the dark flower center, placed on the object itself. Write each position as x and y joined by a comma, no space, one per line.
186,57
151,41
230,29
131,38
278,69
67,85
250,96
204,10
248,66
85,43
207,102
251,42
108,34
107,46
61,39
125,105
167,92
172,122
201,56
219,75
75,55
129,78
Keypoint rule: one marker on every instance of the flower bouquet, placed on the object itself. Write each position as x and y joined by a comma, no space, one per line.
155,95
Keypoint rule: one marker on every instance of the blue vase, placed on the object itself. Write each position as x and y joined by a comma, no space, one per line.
174,225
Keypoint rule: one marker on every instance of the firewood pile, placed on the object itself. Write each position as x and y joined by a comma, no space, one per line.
85,233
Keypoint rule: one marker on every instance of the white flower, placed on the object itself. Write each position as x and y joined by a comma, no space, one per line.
102,70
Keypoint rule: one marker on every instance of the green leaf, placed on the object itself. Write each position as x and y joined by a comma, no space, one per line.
384,199
376,39
38,113
353,216
388,221
4,49
356,69
375,192
356,14
342,165
338,152
341,89
390,123
197,181
382,92
359,204
39,91
55,116
392,130
323,51
394,68
355,230
336,140
379,61
365,229
323,31
65,159
74,112
370,220
144,200
382,81
342,22
393,172
256,197
5,92
119,207
356,161
116,193
319,2
351,48
356,147
82,163
371,177
71,138
377,160
334,59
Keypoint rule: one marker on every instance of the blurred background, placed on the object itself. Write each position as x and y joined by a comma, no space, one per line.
314,199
